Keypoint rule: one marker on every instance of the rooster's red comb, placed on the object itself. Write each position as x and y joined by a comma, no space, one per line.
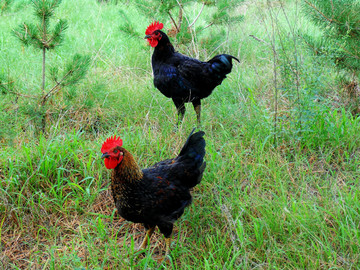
111,142
153,27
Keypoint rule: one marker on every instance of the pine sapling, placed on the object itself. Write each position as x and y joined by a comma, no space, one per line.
44,38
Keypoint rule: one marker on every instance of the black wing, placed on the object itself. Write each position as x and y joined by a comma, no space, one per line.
156,200
182,77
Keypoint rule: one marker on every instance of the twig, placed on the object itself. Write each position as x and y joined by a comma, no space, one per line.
180,17
309,44
15,93
273,45
193,34
102,45
260,40
322,14
56,86
177,25
296,71
210,24
214,50
197,17
342,47
172,19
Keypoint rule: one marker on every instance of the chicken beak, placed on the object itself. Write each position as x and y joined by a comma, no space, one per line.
147,36
105,155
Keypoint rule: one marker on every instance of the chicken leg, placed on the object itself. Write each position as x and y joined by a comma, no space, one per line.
144,243
167,245
180,106
197,107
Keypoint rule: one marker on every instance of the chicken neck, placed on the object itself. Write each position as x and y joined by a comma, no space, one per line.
128,171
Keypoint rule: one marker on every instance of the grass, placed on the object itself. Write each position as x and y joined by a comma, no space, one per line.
290,205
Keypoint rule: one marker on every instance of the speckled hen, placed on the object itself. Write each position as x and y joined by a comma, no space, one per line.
158,195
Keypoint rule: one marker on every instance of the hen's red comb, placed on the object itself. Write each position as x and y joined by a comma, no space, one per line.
153,27
111,142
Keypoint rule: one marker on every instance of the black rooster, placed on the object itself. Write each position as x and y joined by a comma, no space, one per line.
182,78
158,195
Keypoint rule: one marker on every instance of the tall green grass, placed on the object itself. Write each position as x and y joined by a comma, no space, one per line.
290,205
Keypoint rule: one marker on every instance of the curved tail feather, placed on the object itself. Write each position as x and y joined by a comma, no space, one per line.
222,64
192,156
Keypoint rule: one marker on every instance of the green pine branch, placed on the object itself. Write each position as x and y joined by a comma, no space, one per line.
41,36
44,9
5,5
339,21
180,25
74,72
57,36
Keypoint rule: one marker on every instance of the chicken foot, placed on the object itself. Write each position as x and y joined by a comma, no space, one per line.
144,243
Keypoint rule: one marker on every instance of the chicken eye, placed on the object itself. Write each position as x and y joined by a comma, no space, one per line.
157,35
115,151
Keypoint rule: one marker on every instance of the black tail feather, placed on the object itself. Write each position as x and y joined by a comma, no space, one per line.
194,145
222,63
187,142
192,156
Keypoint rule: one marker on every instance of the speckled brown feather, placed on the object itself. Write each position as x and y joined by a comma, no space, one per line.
125,173
158,195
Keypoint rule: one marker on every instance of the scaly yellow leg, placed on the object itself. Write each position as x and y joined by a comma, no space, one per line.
167,244
144,243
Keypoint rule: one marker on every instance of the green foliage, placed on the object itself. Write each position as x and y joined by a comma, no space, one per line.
40,35
6,84
340,23
127,26
73,72
5,5
56,209
44,9
7,124
180,20
224,13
